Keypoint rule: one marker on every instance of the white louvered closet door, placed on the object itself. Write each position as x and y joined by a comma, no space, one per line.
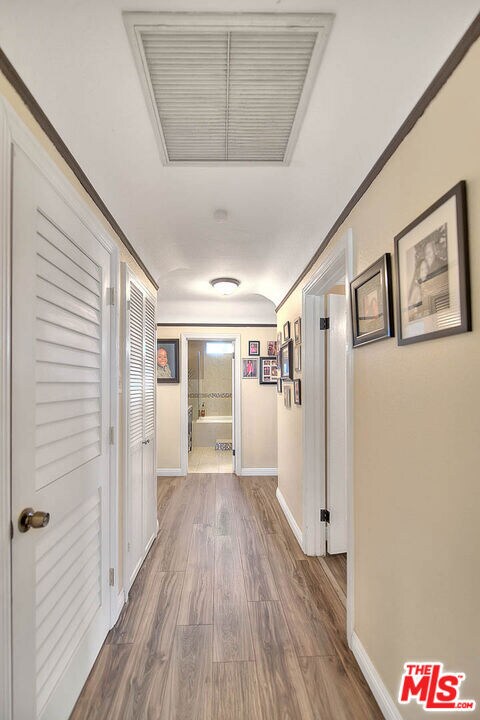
60,446
141,476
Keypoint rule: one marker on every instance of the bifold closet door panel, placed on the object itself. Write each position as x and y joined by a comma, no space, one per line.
149,400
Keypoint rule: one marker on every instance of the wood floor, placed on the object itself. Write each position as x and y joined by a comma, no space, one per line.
227,619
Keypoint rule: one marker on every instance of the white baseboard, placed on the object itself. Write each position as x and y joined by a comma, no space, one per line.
385,701
290,519
171,472
120,603
258,471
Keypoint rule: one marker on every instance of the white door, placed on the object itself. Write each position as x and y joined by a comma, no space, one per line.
336,424
60,453
141,491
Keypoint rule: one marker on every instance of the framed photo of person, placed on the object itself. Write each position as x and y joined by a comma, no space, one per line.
254,347
433,285
168,361
272,348
371,303
268,370
286,331
287,395
286,360
297,331
249,368
297,392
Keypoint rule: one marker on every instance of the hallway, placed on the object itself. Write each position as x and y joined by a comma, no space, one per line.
227,619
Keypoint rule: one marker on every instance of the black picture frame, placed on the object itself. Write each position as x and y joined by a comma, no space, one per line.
279,385
286,331
171,347
254,348
268,363
371,303
433,272
297,391
286,360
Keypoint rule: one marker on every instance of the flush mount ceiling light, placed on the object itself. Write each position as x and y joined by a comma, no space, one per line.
225,286
227,87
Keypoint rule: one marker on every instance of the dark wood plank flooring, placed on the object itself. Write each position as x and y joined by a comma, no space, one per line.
337,565
227,619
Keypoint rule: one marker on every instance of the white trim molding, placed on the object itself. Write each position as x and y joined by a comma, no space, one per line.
236,395
290,519
118,607
169,472
259,471
385,701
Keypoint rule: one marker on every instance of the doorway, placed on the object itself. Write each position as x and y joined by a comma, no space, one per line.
210,412
328,418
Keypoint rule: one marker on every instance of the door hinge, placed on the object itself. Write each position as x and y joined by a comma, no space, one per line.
324,323
11,530
233,452
111,577
325,516
111,435
111,296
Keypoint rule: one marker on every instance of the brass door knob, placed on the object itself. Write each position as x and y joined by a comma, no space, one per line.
30,519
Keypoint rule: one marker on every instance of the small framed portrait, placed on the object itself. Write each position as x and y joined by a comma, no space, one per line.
371,303
249,368
297,331
254,347
272,348
286,360
279,385
286,331
433,286
297,392
287,395
168,361
268,371
297,358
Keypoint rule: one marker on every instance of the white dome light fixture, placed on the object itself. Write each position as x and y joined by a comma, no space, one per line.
225,285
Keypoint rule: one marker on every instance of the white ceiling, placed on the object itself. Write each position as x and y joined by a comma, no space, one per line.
75,58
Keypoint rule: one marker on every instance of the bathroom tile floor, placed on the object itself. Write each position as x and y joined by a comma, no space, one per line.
209,460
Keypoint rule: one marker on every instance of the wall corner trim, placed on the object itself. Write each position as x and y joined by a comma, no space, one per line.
169,472
250,472
382,696
119,607
290,519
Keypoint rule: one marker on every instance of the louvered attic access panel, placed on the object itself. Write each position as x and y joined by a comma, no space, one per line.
227,88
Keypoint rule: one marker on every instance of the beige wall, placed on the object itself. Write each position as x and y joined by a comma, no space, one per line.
9,94
259,417
416,423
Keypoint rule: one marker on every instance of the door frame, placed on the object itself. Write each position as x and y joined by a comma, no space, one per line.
128,275
236,387
337,265
14,132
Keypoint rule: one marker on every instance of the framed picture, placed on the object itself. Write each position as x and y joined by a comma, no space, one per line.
371,303
287,395
268,370
167,361
297,331
286,361
297,392
249,368
297,355
286,331
272,348
279,385
433,286
254,347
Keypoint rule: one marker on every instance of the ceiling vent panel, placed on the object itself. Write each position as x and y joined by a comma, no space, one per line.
227,88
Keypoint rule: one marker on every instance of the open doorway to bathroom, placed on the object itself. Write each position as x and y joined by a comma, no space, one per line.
210,405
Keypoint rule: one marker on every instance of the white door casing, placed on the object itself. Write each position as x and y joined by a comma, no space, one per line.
60,446
336,378
139,424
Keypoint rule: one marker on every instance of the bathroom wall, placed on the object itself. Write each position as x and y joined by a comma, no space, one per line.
209,380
